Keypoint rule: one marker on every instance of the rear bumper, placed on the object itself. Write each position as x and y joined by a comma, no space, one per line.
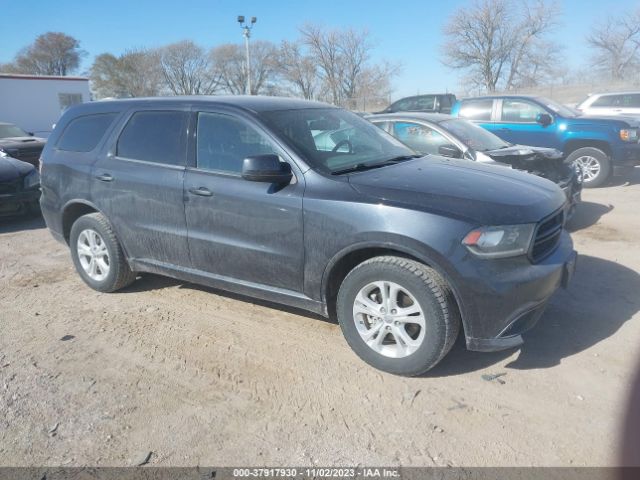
501,303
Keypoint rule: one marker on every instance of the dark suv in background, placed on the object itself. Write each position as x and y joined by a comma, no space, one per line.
312,206
433,103
19,144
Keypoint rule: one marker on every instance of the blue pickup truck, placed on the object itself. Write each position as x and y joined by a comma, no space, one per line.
596,144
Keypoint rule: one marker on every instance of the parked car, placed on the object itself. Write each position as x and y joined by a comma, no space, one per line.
597,144
438,134
436,103
235,193
623,103
19,144
19,186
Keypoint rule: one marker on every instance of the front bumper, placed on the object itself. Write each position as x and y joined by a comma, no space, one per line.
626,155
503,299
17,203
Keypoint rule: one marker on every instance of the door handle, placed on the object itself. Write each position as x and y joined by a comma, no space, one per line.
202,191
104,177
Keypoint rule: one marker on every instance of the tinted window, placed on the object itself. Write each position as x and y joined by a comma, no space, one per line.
427,102
404,104
476,109
604,101
223,142
473,135
419,137
157,136
630,101
82,134
520,111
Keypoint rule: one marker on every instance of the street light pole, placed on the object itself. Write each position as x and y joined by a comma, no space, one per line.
246,33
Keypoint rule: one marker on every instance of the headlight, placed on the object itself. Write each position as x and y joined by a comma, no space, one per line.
499,242
32,180
629,134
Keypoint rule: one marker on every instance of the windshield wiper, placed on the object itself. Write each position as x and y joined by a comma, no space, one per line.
359,167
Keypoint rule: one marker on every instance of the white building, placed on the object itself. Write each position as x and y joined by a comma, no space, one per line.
35,103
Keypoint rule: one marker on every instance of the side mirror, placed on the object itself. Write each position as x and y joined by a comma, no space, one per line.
266,168
544,119
449,151
30,134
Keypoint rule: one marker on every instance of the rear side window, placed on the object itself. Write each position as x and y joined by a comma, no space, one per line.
419,137
82,134
476,109
154,136
604,101
404,104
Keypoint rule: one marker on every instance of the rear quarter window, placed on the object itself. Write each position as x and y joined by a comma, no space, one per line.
82,134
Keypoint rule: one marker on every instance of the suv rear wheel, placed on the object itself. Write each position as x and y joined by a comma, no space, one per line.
595,165
97,255
398,315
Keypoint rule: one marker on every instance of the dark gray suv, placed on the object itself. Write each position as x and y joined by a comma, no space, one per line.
311,206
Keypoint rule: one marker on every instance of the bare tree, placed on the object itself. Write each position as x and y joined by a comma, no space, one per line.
136,73
616,43
52,53
298,69
230,63
187,69
493,40
343,59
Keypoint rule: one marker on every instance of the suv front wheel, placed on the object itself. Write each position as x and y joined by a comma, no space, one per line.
595,165
97,255
398,315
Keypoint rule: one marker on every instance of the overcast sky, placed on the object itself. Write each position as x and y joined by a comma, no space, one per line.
409,31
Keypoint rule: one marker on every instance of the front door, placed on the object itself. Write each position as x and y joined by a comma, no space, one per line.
244,230
517,124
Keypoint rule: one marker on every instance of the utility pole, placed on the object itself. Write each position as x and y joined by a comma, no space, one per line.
246,33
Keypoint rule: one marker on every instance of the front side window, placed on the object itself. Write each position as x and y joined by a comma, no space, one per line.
631,100
404,105
427,102
477,109
520,111
331,139
419,137
155,136
83,134
223,142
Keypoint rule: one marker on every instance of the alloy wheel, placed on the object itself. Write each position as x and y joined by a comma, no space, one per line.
93,255
590,167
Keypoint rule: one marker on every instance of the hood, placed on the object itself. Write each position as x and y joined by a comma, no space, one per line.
21,141
11,169
483,194
631,121
523,152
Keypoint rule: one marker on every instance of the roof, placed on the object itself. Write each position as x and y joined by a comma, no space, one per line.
615,93
418,116
253,103
506,95
18,76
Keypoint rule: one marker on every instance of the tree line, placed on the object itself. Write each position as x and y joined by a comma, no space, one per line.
494,44
333,65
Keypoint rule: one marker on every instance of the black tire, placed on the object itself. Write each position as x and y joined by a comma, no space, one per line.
120,274
430,290
602,160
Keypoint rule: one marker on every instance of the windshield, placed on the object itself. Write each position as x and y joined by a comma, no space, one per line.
473,136
8,131
558,108
334,140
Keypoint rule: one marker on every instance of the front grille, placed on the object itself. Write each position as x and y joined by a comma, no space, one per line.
547,236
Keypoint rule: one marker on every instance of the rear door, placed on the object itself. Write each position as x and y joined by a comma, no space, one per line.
478,110
239,229
516,123
137,183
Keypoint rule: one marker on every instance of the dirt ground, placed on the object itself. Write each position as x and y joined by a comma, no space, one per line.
199,377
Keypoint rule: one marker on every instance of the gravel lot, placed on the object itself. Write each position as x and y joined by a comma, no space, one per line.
199,377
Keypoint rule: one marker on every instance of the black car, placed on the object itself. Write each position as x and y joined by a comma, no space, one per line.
254,195
435,103
19,186
19,144
445,135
